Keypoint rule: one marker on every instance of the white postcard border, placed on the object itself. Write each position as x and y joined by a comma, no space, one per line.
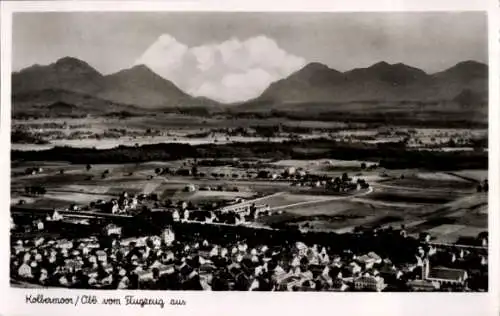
12,301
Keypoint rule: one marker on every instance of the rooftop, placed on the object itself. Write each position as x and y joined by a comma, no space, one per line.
443,273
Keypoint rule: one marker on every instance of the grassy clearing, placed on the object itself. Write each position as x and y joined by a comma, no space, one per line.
287,199
79,198
48,202
200,196
454,235
477,175
413,197
433,184
336,214
445,229
439,176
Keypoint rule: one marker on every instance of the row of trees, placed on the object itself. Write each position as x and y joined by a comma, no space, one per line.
391,157
483,187
35,190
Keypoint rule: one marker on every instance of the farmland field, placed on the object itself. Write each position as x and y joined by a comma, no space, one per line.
478,175
432,184
287,199
422,200
335,214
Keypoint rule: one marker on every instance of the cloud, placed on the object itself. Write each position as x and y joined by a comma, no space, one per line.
228,71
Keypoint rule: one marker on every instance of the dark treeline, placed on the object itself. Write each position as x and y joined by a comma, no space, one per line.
390,156
429,120
25,137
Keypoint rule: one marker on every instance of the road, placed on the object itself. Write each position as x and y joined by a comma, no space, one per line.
309,203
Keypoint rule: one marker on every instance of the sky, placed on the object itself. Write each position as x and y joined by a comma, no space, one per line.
235,56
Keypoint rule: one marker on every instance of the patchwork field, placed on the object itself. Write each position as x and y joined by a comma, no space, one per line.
334,215
444,204
466,216
477,175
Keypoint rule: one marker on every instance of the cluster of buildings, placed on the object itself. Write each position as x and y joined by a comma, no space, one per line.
301,178
33,171
235,214
164,262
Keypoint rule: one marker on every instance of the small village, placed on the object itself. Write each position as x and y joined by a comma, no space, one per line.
167,263
175,255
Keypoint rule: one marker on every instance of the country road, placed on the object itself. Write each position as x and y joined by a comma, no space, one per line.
308,203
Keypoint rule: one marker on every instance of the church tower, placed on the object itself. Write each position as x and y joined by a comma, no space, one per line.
425,268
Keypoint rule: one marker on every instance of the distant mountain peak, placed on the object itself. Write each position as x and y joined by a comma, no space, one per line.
380,64
469,63
316,66
72,62
318,70
465,70
141,67
383,65
397,74
139,73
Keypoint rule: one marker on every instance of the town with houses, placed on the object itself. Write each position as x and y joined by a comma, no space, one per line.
250,151
109,249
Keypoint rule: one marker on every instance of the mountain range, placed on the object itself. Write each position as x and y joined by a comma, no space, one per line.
76,83
72,84
380,82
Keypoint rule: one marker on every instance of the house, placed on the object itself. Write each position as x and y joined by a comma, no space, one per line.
368,260
422,285
190,188
65,244
376,258
409,267
176,216
444,275
56,216
289,283
112,229
483,238
40,225
73,265
132,202
339,285
484,261
369,283
353,268
101,255
424,237
389,271
24,271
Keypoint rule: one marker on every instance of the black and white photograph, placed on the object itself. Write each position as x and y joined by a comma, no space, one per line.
249,151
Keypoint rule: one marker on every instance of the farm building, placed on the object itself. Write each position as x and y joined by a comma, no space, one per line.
290,171
112,229
168,236
443,275
190,188
422,285
368,282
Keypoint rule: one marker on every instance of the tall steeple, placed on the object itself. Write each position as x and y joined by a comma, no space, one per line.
425,268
